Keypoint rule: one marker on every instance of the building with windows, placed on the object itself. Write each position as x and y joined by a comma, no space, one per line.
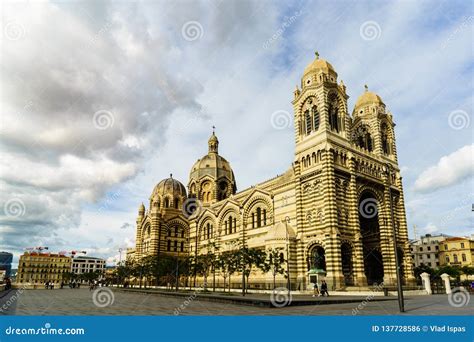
425,251
6,259
36,268
85,264
457,251
332,211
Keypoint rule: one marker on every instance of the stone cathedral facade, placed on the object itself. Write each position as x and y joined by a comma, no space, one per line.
332,213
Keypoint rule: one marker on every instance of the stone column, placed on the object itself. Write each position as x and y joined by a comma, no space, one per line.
447,284
334,277
425,278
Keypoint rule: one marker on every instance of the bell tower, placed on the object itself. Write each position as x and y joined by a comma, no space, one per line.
321,123
320,107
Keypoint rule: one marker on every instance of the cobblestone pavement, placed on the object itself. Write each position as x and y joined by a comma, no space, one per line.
85,302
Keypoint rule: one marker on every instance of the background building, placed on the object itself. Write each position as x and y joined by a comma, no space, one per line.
6,259
425,251
85,264
37,268
457,251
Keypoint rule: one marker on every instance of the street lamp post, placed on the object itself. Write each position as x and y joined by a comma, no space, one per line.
401,303
177,269
287,220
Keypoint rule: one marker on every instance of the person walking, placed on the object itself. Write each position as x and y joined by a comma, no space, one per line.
315,289
324,288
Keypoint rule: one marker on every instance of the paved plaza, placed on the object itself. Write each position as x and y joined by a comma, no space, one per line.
85,302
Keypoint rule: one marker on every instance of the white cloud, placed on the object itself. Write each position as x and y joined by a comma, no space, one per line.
449,170
430,228
77,58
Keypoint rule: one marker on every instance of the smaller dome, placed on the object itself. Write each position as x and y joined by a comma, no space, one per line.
319,65
281,231
169,186
367,98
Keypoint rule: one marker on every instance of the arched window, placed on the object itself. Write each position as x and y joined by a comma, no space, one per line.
315,118
333,117
455,258
168,247
264,217
384,135
369,142
226,224
235,225
259,217
182,246
253,220
307,116
167,202
464,257
176,203
176,231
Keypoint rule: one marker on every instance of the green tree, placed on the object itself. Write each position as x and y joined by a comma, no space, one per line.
452,271
422,269
227,264
274,262
249,259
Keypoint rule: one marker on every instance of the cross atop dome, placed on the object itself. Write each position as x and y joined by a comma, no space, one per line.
316,54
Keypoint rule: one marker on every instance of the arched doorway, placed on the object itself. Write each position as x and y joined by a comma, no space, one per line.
347,267
316,261
370,230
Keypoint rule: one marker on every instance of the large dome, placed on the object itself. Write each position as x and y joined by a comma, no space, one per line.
211,178
169,187
213,165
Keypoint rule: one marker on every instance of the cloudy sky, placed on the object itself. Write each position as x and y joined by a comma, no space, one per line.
101,100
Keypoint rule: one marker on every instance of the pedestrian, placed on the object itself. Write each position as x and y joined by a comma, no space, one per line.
46,285
315,290
324,288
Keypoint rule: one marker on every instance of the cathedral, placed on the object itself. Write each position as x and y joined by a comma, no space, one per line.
337,213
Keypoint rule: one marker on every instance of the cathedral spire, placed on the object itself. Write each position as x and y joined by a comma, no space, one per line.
213,142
